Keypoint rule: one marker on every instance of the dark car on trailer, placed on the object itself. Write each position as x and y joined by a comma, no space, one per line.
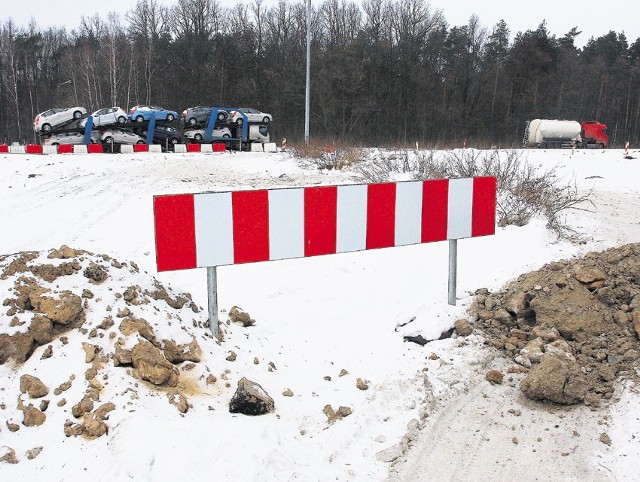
200,115
166,136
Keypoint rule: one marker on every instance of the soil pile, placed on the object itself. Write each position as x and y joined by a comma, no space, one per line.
80,333
573,326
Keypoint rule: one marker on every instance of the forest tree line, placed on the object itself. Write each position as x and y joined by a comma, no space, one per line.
383,72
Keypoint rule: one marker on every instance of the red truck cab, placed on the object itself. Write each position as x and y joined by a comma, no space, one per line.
595,134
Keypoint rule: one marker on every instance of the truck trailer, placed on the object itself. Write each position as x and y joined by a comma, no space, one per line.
558,134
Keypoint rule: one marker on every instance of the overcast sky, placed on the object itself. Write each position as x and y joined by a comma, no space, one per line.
561,15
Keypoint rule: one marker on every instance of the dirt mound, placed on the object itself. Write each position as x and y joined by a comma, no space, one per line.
101,328
573,326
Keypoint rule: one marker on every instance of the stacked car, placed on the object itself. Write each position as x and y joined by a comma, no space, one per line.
114,126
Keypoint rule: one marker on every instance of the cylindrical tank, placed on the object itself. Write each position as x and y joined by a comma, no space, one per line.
541,130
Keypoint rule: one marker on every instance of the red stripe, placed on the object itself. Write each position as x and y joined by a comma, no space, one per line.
34,149
435,195
193,148
65,149
4,148
484,206
175,232
250,226
320,218
381,215
219,147
140,148
95,149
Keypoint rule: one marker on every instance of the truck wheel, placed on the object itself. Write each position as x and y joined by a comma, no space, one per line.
239,121
197,137
46,127
108,140
77,114
122,120
169,117
265,120
139,118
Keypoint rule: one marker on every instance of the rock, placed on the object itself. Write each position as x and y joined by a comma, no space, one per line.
287,393
65,252
232,356
605,439
463,327
546,333
47,353
122,356
32,417
182,404
495,377
503,316
71,429
10,456
18,346
361,384
151,365
635,317
132,325
180,353
238,315
13,427
333,415
41,328
533,350
518,304
250,399
34,452
92,426
90,351
96,273
577,317
555,379
83,406
65,309
33,386
559,347
589,275
103,410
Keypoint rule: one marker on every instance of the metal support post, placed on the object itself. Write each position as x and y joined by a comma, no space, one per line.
212,292
307,97
453,268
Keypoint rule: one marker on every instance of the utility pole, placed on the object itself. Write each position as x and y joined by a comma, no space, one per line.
307,100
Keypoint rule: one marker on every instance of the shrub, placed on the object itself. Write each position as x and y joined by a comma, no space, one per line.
523,190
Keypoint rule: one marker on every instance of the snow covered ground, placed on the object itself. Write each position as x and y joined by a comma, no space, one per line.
316,317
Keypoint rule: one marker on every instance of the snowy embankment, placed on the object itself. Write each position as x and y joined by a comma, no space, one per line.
321,324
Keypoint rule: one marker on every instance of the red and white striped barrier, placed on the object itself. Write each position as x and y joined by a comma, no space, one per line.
221,228
626,149
99,148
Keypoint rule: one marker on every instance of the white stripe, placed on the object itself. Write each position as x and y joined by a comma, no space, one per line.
214,229
351,218
286,223
408,228
460,208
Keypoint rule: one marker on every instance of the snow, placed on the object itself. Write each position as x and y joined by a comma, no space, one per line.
315,317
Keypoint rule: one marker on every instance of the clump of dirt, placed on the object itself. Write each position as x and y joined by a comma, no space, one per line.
573,326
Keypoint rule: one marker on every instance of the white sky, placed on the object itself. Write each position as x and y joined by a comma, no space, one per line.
561,16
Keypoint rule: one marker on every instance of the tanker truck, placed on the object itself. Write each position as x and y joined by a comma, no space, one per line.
557,134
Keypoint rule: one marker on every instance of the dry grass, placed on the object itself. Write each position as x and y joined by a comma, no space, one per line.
523,191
